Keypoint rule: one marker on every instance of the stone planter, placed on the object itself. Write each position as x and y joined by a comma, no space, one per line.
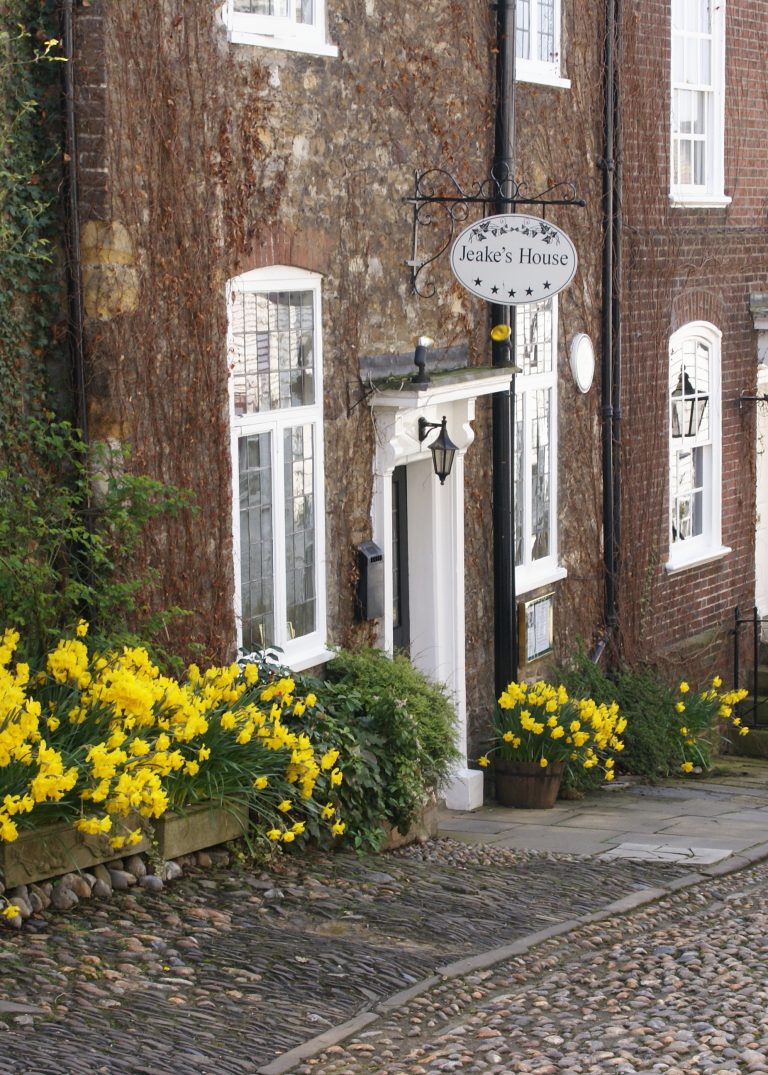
199,827
526,785
424,828
56,849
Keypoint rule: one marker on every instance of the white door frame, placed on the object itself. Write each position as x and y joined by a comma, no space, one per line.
436,536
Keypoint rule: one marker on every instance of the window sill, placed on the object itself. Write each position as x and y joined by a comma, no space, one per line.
699,201
305,660
540,75
527,579
706,556
283,44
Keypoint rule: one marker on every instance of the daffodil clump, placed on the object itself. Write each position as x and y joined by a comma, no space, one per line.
104,740
541,723
699,715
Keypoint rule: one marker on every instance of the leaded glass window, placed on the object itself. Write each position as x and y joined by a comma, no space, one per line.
537,39
535,441
296,25
274,359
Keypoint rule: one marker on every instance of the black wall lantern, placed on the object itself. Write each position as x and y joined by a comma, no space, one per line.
688,408
442,447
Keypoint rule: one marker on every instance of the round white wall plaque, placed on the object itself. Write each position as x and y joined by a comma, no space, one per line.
582,361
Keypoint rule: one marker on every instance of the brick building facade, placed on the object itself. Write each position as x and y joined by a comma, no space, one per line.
249,311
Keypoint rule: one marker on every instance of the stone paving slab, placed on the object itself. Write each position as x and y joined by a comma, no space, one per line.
715,827
712,839
559,841
666,853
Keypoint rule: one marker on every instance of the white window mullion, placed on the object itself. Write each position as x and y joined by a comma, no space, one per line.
282,633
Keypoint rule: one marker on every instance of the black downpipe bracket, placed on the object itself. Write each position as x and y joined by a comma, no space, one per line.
72,224
503,354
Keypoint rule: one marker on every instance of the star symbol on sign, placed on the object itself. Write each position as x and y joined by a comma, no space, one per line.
546,285
494,291
529,291
511,293
478,282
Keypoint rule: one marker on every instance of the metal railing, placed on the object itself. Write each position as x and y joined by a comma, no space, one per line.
740,622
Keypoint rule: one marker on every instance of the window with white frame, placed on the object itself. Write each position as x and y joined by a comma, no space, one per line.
275,362
697,103
296,25
694,445
537,42
536,446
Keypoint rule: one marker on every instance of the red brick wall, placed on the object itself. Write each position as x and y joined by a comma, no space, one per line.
682,265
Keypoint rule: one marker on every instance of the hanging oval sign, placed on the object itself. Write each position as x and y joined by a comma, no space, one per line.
511,259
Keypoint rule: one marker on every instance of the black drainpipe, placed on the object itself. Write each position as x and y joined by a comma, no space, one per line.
72,224
609,316
503,354
616,297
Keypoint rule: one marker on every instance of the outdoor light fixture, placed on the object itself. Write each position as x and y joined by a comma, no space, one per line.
688,408
421,377
442,447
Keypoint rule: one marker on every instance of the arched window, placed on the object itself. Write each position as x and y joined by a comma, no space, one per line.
694,445
275,361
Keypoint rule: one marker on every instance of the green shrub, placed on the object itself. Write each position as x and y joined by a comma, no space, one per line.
395,731
70,519
668,731
415,717
650,738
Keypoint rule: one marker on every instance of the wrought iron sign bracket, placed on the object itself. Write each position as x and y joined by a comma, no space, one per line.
744,398
439,200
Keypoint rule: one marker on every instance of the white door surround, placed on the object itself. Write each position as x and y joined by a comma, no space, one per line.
436,534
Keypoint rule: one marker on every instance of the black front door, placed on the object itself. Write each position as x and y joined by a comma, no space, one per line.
401,626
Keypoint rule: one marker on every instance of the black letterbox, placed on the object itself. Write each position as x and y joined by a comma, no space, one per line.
370,582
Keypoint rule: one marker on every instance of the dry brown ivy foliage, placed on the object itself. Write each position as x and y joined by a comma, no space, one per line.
186,169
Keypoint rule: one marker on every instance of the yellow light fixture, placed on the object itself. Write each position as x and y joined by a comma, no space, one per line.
499,333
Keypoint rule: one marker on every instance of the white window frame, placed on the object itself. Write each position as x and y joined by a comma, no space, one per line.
710,194
542,72
707,546
278,32
531,574
307,650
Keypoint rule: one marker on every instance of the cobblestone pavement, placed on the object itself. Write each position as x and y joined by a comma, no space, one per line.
226,970
679,986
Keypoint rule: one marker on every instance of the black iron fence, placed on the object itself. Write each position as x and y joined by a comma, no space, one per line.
748,667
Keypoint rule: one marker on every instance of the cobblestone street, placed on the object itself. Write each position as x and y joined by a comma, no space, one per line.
223,972
678,987
476,953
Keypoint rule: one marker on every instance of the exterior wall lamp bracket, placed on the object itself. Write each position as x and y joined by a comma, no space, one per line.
442,447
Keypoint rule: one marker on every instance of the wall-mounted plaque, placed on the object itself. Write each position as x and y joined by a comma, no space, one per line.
536,627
